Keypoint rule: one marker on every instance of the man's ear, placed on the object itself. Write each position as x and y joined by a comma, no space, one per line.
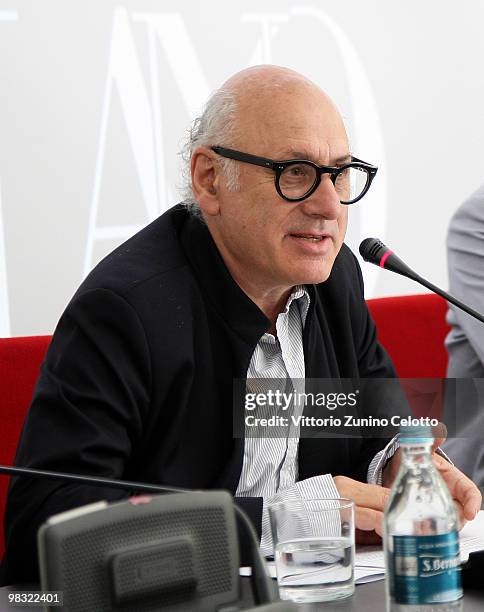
205,173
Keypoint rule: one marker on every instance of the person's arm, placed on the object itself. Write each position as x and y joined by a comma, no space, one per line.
465,342
316,487
465,254
86,417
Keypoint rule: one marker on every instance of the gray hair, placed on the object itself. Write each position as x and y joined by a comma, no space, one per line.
215,126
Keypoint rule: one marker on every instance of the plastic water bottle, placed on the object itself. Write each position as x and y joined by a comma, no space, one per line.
421,537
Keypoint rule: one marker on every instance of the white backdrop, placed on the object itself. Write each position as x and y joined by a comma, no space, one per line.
96,97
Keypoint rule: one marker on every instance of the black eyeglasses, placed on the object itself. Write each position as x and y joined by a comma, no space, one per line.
297,179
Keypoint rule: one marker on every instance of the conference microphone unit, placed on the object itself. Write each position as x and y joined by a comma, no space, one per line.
377,253
169,553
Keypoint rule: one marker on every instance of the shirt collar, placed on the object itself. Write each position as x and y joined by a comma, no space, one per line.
300,294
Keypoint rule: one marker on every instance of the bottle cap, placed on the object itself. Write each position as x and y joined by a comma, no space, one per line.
416,434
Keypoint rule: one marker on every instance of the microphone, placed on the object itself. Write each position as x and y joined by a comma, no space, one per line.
262,593
377,253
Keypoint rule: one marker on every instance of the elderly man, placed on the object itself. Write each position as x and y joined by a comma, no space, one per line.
253,280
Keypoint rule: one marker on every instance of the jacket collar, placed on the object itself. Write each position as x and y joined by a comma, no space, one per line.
217,284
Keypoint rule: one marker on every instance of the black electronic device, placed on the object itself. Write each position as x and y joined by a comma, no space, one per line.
164,553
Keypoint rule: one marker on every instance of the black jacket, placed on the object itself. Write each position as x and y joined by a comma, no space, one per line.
137,382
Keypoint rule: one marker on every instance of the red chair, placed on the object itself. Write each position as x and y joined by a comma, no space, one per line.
412,329
20,360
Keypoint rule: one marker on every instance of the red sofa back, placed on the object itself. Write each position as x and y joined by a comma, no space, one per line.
20,360
412,329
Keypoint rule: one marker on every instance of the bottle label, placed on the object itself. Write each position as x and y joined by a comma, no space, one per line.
426,569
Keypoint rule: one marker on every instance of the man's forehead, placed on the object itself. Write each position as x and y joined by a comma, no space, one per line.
333,151
335,155
297,139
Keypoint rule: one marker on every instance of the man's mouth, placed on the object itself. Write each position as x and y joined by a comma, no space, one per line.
310,237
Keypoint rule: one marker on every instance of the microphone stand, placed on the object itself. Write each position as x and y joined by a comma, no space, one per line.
449,298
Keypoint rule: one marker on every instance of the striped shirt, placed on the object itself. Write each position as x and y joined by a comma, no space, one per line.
270,465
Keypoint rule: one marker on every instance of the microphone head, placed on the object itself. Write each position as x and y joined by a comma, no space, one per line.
377,253
372,250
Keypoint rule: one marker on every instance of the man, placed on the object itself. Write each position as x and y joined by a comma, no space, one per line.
465,342
138,380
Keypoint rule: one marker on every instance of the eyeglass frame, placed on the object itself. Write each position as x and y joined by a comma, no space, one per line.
279,166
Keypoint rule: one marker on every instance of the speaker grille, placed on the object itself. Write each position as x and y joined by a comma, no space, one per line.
85,572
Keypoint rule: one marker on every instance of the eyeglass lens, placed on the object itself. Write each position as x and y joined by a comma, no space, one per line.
297,180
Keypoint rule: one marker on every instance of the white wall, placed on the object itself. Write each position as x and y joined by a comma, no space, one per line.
96,97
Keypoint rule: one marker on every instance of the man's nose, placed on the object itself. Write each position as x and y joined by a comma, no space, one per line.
324,202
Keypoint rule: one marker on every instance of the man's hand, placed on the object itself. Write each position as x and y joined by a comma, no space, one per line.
369,503
466,495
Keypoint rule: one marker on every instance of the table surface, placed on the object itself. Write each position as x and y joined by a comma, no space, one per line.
371,598
367,598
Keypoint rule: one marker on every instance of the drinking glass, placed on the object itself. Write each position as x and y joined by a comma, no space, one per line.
314,548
